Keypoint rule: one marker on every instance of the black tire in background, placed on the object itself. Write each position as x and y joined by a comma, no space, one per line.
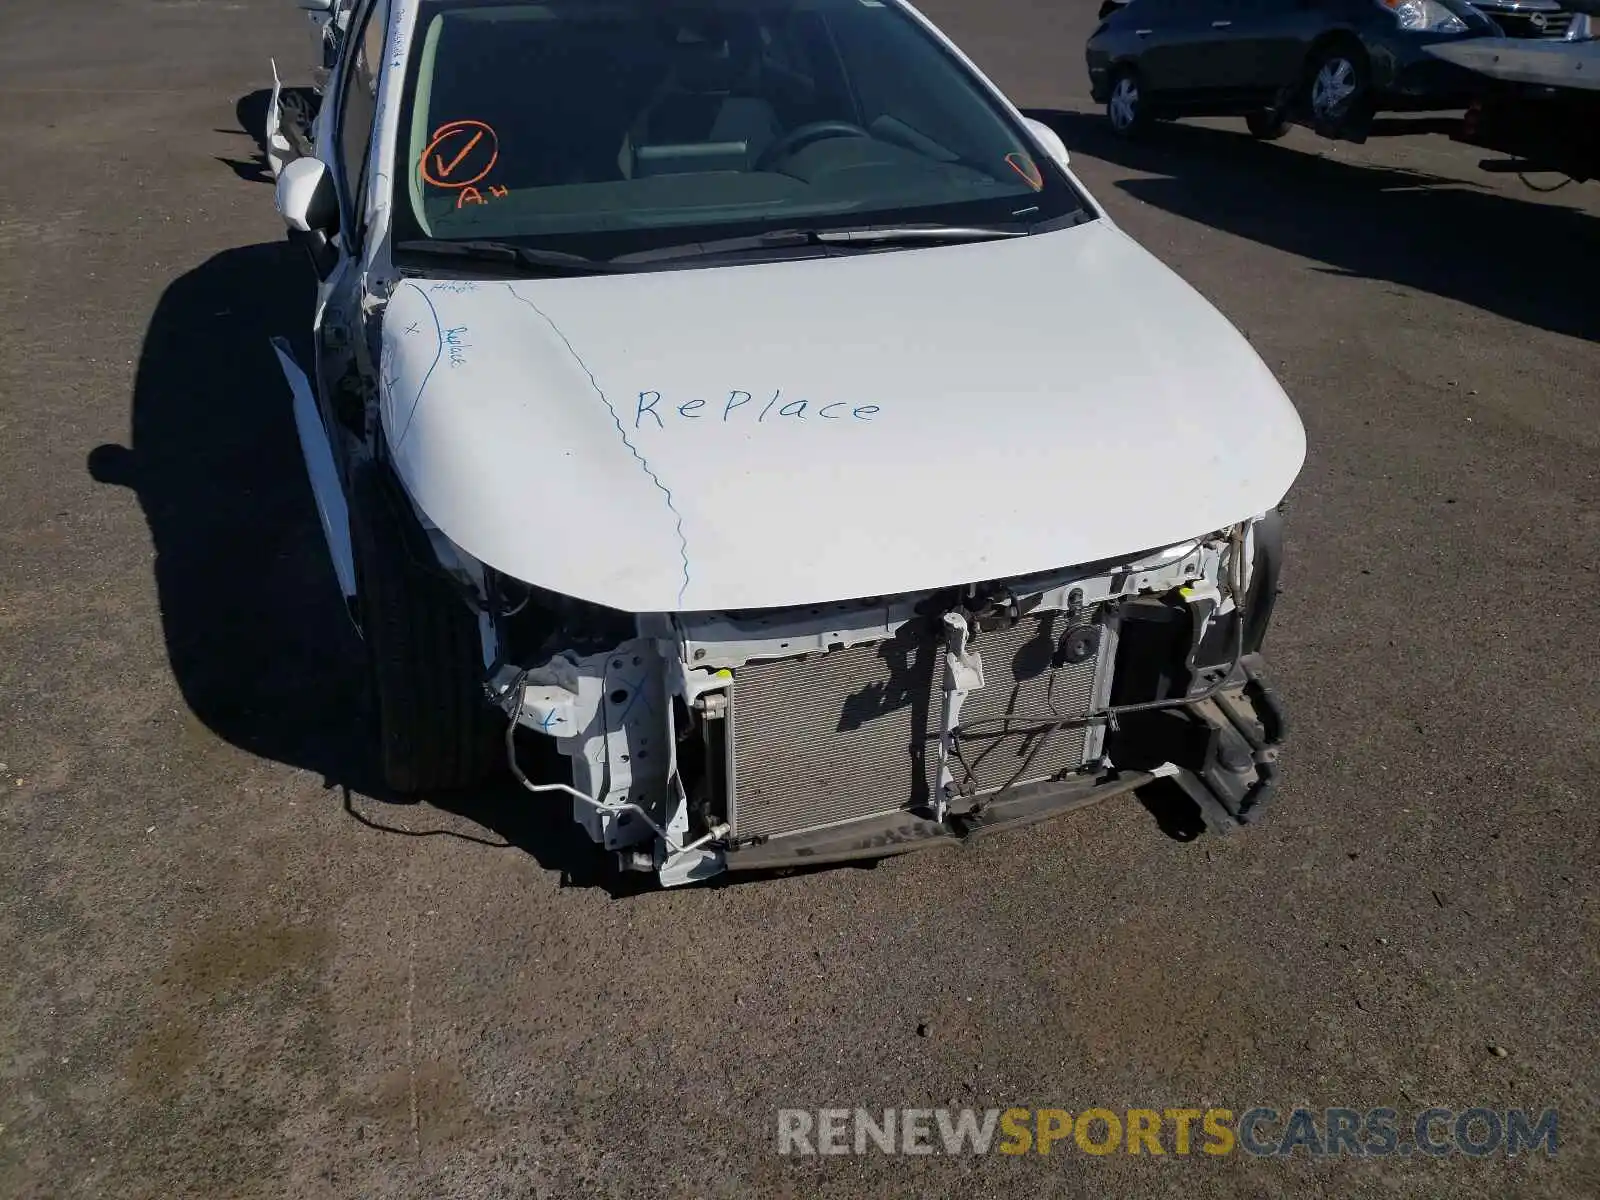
1267,124
436,730
1342,60
1125,107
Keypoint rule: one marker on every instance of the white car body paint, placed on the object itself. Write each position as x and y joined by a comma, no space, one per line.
708,448
1039,402
276,145
800,432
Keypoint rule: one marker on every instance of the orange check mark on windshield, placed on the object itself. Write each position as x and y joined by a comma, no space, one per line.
444,171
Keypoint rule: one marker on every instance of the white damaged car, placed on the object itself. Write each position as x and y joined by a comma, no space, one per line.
743,395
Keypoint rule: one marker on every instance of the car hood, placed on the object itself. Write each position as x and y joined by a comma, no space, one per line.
798,432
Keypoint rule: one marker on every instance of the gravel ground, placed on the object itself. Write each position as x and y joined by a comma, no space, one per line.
233,969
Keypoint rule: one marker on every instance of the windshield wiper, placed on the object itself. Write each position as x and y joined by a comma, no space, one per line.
507,254
559,262
773,239
880,234
785,239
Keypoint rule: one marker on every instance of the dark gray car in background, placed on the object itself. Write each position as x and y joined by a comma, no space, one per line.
1332,64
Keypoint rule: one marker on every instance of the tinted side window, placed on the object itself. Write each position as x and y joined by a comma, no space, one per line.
358,106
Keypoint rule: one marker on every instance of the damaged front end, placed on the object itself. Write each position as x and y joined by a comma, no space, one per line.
709,742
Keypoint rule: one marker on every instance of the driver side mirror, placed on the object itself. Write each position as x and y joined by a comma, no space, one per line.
1048,141
309,206
313,6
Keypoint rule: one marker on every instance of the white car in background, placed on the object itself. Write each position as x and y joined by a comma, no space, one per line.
744,396
292,113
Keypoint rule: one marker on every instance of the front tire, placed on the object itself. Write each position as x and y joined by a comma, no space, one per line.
1125,107
1338,92
436,728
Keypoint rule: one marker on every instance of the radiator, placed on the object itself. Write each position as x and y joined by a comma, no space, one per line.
828,738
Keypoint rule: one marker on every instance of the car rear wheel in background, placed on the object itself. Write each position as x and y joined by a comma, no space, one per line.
1125,106
437,731
1267,124
1338,91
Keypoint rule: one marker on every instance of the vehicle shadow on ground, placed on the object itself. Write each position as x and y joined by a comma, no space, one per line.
256,631
1529,261
251,111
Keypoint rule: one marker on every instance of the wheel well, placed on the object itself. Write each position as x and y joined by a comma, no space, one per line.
1337,39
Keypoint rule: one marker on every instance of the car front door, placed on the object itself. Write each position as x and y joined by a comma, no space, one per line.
1261,47
1216,68
1168,36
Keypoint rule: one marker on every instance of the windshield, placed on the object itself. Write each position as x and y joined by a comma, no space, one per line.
610,127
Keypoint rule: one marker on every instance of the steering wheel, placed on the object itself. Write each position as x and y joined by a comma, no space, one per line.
804,134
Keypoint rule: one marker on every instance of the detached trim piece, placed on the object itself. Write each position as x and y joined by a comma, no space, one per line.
324,475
